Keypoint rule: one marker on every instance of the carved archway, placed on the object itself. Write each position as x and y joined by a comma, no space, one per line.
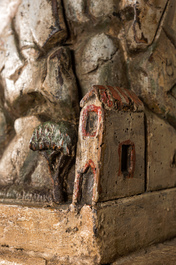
78,186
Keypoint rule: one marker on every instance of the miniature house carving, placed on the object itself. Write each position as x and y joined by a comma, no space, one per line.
111,146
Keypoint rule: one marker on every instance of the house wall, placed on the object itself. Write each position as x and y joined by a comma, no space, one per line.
161,154
120,127
89,147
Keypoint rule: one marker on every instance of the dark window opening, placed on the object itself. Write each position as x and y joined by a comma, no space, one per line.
92,122
126,159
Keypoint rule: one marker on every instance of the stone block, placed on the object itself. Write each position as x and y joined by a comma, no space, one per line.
10,256
73,261
51,232
12,61
59,86
161,153
8,11
22,25
132,223
93,235
155,255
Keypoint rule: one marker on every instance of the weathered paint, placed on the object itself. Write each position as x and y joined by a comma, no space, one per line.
58,142
115,98
120,122
90,108
78,181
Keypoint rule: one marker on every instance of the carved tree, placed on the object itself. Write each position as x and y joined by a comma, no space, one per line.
57,143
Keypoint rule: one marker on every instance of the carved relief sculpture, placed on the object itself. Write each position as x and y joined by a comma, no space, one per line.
119,56
57,143
39,86
111,146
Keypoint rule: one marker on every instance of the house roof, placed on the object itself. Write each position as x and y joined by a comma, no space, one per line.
115,98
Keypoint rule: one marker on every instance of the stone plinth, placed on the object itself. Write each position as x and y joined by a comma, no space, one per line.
92,235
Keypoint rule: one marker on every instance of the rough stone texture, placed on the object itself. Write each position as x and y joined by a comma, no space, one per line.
18,257
40,23
101,62
156,255
155,78
9,9
138,18
92,236
49,49
3,130
18,150
59,86
99,48
161,153
102,8
119,128
50,232
152,74
22,180
37,80
132,223
75,11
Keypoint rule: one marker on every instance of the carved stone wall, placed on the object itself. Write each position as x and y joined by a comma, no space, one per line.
51,54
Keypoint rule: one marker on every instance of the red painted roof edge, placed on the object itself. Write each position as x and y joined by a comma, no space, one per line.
116,93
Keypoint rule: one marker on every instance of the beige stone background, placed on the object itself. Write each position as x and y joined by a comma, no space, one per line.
129,44
124,43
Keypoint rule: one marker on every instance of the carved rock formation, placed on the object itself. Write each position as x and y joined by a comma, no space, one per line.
37,83
51,54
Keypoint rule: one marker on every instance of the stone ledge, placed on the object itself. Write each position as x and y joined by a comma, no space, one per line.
52,232
96,235
156,255
18,257
133,223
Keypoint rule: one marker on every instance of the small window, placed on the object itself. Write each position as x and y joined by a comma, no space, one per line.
126,159
90,120
92,123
